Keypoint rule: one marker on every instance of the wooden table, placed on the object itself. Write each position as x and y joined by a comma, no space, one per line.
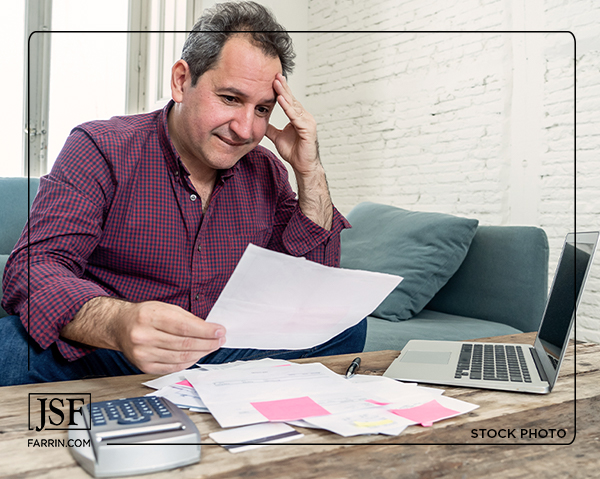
450,448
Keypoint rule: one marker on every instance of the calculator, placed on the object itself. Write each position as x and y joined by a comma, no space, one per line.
133,436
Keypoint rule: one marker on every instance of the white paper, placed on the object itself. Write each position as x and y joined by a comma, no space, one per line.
367,421
229,394
268,433
173,378
397,392
182,396
276,301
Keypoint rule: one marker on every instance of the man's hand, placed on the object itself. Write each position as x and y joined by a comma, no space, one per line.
156,337
297,144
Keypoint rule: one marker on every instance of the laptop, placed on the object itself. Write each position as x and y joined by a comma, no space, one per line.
508,367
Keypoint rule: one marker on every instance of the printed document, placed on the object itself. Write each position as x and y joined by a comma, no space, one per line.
242,396
277,301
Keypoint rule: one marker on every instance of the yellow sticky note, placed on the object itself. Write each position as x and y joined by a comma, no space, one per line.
373,423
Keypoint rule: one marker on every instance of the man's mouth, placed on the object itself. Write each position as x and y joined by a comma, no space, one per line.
230,142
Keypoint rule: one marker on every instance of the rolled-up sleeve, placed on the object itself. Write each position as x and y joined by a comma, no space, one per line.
303,237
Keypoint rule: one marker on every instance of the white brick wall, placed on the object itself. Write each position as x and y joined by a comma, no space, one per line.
469,123
582,19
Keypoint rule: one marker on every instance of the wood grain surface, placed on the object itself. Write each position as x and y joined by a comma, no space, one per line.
465,446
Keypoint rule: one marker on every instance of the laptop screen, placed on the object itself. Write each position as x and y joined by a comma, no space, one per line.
564,296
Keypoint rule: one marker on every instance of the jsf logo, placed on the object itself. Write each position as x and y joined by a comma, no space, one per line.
56,411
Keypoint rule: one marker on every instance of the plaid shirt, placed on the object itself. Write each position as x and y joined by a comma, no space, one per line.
118,216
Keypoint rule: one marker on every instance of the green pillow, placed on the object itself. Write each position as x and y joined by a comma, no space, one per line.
425,249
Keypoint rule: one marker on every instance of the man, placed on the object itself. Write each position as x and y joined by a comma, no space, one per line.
139,225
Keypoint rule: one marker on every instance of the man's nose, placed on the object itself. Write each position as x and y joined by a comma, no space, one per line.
243,123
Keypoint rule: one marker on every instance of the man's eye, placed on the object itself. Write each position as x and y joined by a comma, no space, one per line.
229,99
262,110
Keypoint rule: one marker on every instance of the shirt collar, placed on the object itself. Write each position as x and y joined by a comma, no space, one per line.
170,153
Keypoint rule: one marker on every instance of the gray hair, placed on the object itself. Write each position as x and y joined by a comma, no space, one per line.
217,24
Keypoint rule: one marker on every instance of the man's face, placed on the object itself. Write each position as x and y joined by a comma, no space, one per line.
227,113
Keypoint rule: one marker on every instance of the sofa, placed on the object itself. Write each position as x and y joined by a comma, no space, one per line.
461,280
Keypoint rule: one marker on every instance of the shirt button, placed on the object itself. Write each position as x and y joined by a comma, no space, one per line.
193,197
197,297
199,248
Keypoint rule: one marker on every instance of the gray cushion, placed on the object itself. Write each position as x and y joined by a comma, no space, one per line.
15,199
504,278
430,325
424,248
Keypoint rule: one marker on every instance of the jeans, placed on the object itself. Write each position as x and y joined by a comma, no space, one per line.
20,364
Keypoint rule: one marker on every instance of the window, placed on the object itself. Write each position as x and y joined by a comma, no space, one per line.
12,31
89,65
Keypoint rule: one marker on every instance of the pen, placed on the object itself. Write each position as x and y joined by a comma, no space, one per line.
352,368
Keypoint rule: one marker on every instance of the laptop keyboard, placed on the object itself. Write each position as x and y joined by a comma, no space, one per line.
492,362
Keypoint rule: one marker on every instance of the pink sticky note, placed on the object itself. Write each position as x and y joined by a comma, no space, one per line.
377,403
426,413
185,382
289,409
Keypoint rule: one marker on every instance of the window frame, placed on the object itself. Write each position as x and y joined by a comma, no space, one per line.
36,101
148,57
142,75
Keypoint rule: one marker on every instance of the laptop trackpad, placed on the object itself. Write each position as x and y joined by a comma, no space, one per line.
427,357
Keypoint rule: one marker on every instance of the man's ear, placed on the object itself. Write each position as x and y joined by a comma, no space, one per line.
180,74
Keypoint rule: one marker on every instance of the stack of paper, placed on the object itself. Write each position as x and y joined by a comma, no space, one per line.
308,395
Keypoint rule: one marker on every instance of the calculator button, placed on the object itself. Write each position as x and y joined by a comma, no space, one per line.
96,415
159,407
133,420
98,420
163,412
112,412
143,407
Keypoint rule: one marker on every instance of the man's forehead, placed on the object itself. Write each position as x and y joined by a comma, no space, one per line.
241,50
244,70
